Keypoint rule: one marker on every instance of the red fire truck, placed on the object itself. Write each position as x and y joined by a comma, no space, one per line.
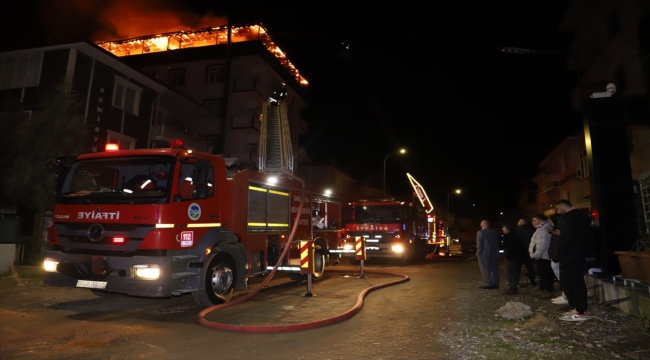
164,222
390,228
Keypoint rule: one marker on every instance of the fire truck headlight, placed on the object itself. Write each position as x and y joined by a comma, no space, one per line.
50,264
398,248
148,272
348,247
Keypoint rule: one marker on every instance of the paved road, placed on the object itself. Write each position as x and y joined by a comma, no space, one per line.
396,322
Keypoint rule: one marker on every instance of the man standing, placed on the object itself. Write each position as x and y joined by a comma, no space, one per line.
525,232
513,251
571,256
487,252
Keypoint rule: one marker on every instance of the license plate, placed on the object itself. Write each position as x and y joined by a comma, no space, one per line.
91,284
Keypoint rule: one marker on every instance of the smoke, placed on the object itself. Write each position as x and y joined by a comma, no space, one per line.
108,20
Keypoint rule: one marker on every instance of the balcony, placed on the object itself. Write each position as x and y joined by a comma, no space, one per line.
165,133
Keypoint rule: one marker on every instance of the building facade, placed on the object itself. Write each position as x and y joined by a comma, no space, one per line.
120,102
229,72
610,45
564,174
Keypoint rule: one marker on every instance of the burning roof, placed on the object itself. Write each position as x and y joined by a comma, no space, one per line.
197,38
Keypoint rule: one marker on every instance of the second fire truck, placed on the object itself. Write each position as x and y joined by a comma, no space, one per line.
390,228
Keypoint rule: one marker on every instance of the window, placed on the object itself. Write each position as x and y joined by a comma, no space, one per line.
123,141
126,96
213,105
20,72
176,77
188,189
214,73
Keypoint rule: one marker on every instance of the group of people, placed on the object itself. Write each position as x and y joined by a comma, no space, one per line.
557,248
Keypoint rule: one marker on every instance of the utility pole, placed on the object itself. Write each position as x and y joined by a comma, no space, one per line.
223,116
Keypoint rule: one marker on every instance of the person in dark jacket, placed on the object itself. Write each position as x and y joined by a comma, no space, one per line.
571,256
487,252
513,251
525,232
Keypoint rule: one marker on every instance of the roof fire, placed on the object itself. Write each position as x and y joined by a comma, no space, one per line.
197,38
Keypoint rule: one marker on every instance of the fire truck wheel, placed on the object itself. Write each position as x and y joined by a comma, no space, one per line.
217,281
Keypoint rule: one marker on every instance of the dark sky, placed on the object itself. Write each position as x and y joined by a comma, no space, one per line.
426,77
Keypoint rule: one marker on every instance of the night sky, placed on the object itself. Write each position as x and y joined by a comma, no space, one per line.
427,78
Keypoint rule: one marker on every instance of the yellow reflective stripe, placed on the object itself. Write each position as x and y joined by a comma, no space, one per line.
164,226
265,224
256,188
279,192
204,225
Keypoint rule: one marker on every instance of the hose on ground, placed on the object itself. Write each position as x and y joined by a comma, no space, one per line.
296,327
292,327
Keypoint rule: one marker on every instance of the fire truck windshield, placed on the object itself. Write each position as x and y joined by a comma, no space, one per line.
370,213
141,179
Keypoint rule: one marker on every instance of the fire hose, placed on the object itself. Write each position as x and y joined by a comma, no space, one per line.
292,327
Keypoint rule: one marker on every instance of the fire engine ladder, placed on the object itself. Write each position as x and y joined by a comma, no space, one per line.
275,152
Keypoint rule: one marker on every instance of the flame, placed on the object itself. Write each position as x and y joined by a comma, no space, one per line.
197,38
108,21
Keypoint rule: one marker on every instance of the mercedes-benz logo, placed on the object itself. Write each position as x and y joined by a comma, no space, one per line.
95,232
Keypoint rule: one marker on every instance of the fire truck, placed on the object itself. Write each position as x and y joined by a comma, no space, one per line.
391,229
169,221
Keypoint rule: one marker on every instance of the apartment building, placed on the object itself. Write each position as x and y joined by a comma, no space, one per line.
118,100
611,45
564,174
229,70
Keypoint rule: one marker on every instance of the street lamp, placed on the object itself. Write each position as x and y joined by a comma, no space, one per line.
401,151
457,191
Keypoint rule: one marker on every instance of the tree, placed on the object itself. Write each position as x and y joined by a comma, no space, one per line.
29,141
